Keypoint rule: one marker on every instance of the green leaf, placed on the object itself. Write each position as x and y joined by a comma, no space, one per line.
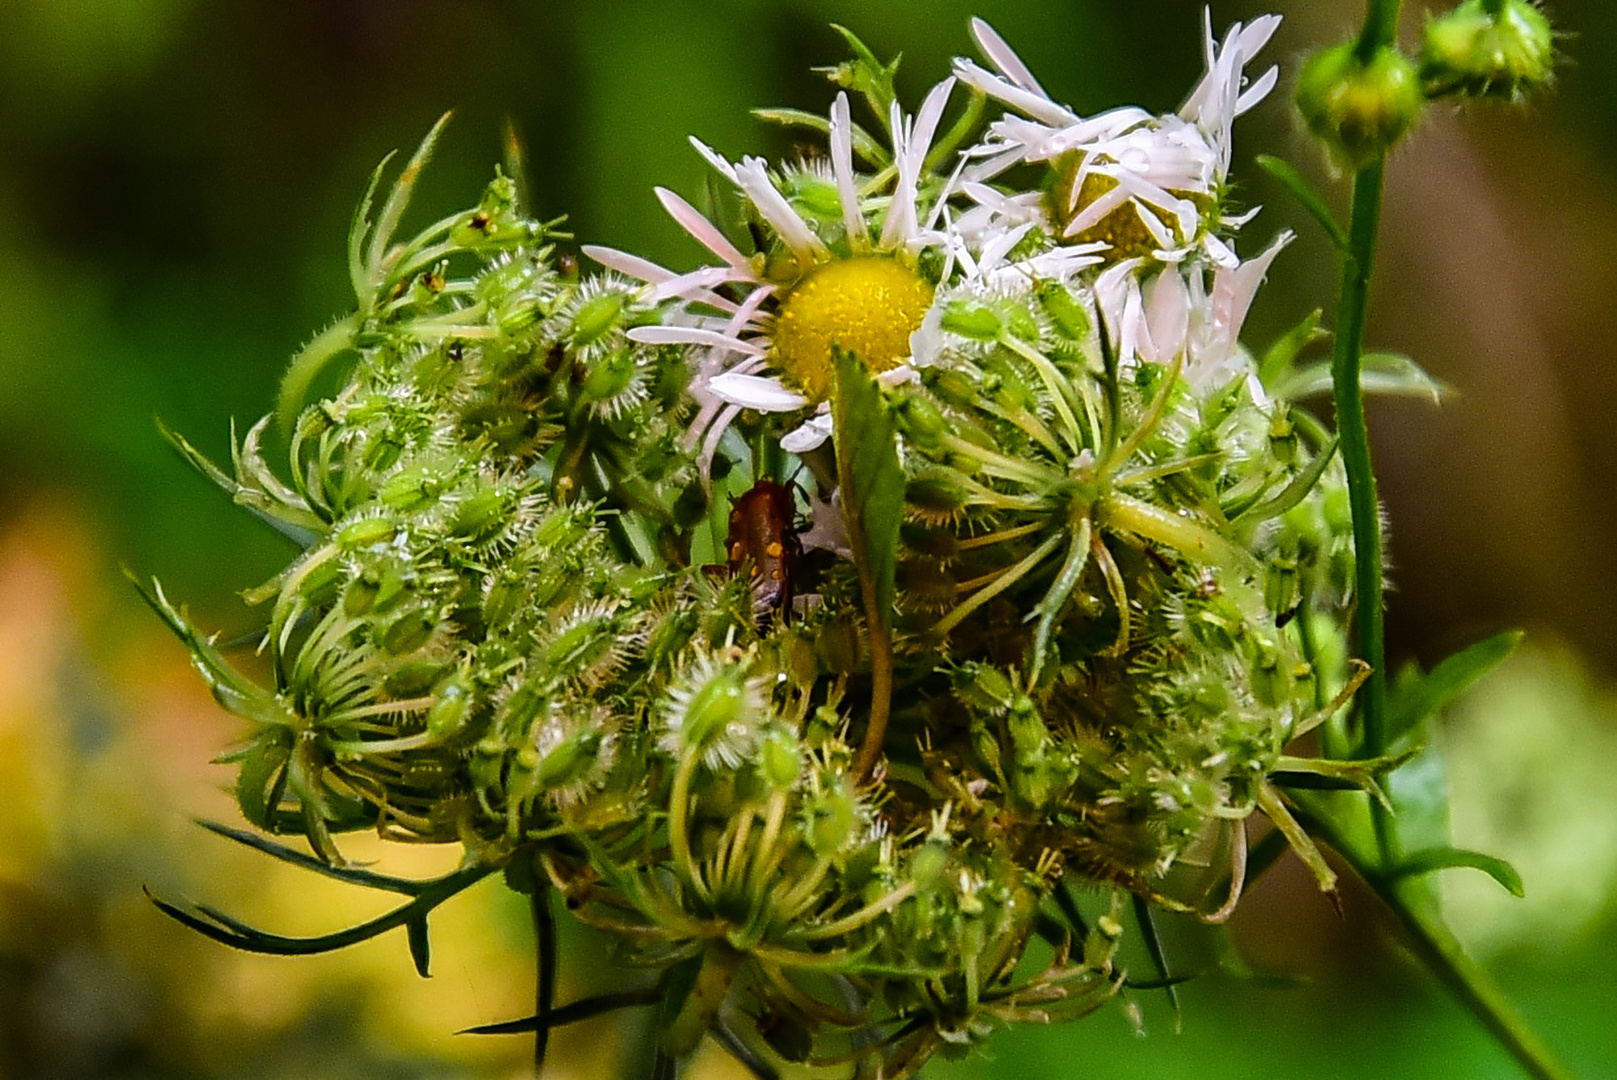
352,875
871,479
1278,359
215,924
392,210
1304,193
872,485
574,1011
1424,862
1383,373
1416,697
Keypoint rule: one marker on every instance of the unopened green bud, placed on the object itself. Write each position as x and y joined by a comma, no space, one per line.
935,497
818,196
1481,49
608,377
1359,109
779,759
481,515
971,319
570,760
365,532
449,713
413,679
715,705
921,423
406,634
412,488
1067,315
833,818
596,316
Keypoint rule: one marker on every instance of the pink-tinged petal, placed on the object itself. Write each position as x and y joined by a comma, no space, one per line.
1166,305
624,263
693,284
753,178
703,230
756,392
1234,290
748,309
1003,57
853,218
692,335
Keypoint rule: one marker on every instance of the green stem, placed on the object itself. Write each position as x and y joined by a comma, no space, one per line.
1380,28
1346,366
1436,945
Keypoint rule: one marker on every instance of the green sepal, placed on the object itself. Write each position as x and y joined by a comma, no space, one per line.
871,151
1278,359
1294,492
297,525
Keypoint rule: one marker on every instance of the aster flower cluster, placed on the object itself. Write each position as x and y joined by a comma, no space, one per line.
859,627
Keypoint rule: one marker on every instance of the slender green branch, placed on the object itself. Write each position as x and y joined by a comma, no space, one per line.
544,933
1346,367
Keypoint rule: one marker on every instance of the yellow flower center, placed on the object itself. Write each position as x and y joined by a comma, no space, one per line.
868,305
1123,228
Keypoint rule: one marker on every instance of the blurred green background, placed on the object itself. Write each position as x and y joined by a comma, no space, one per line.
176,179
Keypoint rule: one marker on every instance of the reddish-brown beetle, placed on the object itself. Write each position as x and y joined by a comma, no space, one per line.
761,535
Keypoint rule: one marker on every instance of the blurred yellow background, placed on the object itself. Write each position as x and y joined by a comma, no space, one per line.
176,180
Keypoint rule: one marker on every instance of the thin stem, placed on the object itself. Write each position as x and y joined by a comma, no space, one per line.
1354,432
544,934
1380,28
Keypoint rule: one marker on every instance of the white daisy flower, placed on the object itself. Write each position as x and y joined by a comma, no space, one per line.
849,279
1148,186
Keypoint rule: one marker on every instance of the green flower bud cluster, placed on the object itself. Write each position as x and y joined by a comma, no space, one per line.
835,789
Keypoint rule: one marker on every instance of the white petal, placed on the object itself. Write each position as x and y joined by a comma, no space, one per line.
691,335
1003,57
756,392
753,178
807,435
853,219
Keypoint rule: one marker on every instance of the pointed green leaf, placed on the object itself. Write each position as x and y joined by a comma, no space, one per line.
572,1012
1416,697
1424,862
392,210
420,946
1304,193
352,875
237,694
1294,492
1383,373
1278,359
